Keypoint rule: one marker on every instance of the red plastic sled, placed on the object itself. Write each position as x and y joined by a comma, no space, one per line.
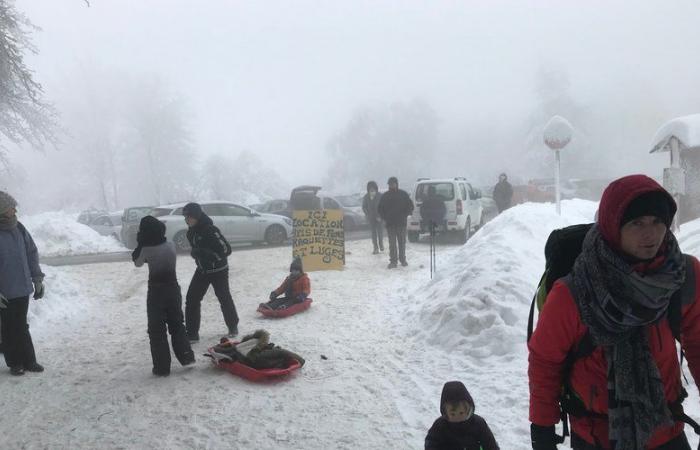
251,374
286,312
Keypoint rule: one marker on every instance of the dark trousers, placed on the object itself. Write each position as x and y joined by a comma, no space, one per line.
282,302
680,442
164,307
377,238
397,238
16,340
198,287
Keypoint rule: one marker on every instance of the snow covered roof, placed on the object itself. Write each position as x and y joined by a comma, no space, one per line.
686,129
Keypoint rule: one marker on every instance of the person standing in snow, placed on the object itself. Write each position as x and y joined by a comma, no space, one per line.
502,193
164,300
394,207
619,294
20,275
370,202
458,428
433,210
210,251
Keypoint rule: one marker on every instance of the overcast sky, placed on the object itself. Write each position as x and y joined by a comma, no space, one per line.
280,77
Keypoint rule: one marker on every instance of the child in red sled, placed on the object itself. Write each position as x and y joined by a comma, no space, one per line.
296,288
458,428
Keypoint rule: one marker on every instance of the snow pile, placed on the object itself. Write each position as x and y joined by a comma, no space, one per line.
689,237
59,234
63,300
477,304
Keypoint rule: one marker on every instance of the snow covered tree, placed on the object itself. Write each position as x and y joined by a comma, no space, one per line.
399,139
24,116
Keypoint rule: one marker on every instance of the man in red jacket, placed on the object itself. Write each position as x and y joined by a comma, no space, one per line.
618,293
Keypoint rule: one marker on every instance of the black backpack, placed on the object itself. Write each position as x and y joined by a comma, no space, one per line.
561,250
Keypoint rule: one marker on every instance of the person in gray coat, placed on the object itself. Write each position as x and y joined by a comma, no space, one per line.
370,202
20,275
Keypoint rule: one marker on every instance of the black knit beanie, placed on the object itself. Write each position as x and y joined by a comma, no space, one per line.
151,232
296,265
653,203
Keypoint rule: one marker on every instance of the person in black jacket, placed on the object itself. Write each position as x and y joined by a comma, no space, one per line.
433,210
394,207
210,250
502,193
458,428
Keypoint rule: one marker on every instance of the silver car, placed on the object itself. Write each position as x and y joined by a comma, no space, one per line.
239,224
108,224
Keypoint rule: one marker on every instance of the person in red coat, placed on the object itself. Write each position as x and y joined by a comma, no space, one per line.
296,288
618,292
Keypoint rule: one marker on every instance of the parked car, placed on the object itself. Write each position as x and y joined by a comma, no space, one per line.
464,210
352,209
88,215
307,197
108,225
278,206
237,223
130,224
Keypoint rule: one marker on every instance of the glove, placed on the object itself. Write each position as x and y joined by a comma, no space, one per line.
273,295
136,253
3,301
38,290
543,438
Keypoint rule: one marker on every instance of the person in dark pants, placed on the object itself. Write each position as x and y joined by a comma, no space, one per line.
164,300
296,288
433,210
20,275
370,202
210,251
394,207
503,193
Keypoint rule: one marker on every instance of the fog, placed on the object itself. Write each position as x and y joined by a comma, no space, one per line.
450,87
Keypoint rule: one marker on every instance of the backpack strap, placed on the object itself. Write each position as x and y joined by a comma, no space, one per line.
682,297
535,299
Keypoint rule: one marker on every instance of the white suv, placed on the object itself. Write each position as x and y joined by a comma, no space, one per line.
462,202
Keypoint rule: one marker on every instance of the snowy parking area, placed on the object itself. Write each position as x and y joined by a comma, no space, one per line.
390,339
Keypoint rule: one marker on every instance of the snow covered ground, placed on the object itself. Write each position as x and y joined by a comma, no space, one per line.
391,339
59,234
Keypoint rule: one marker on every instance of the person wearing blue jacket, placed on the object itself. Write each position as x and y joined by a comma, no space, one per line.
20,275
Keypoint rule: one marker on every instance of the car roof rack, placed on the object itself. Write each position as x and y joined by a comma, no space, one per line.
461,178
422,178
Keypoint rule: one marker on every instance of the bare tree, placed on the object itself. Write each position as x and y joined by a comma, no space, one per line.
24,116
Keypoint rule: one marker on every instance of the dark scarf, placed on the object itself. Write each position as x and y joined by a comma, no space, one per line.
616,303
8,223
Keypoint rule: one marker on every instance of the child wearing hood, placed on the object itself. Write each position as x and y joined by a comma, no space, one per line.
459,428
296,288
164,299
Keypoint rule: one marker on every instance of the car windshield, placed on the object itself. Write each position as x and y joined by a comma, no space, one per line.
446,191
159,212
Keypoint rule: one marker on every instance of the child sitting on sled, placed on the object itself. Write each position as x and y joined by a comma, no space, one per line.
296,288
459,427
255,350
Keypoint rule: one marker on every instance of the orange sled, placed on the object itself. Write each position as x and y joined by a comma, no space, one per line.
286,312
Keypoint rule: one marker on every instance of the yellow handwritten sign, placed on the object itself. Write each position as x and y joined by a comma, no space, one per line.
319,239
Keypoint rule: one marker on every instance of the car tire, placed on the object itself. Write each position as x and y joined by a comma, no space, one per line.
181,243
466,233
275,235
413,236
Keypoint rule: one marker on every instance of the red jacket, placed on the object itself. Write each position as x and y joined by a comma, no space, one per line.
301,284
560,329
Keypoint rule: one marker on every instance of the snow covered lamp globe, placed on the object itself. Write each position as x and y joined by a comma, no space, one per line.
557,134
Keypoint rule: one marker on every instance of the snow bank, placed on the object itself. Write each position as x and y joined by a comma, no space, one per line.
689,237
62,300
476,304
59,234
